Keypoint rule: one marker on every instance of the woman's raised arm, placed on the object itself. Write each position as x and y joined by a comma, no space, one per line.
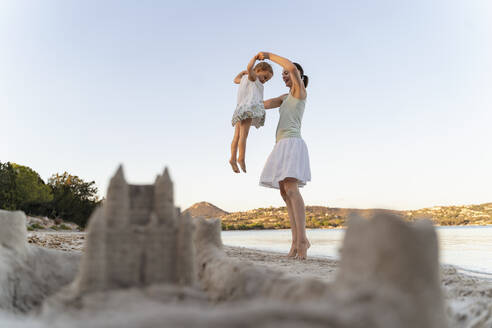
298,90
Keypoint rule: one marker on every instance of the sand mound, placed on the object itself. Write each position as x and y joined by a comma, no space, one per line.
29,274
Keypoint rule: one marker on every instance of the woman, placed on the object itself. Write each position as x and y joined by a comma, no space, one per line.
287,167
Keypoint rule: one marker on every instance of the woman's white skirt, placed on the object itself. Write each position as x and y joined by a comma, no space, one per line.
289,159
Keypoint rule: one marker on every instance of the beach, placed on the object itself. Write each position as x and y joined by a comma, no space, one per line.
468,298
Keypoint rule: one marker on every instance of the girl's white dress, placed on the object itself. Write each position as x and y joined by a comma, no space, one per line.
250,103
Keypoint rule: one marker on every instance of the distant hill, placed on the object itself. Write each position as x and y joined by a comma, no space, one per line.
206,210
330,217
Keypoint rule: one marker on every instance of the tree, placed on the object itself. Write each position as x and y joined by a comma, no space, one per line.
73,198
21,188
7,187
30,189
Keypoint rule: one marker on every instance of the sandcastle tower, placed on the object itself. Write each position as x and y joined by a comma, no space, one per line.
137,238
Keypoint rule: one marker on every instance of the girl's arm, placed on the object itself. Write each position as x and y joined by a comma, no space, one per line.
251,71
298,90
237,79
274,102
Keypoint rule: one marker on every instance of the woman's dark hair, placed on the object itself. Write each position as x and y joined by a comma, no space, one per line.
304,78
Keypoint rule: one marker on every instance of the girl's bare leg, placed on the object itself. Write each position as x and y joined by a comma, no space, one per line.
234,144
293,228
292,190
243,136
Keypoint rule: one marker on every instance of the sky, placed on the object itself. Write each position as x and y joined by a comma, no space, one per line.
398,114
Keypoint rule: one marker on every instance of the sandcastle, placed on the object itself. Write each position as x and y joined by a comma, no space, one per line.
137,238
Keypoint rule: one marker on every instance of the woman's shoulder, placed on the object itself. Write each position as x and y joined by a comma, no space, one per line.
297,98
282,98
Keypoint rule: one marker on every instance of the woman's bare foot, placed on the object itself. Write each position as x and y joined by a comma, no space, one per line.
293,250
302,247
242,163
234,166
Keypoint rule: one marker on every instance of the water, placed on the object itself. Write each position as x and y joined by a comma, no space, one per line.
469,248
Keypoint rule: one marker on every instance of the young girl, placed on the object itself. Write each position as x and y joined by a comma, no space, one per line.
250,109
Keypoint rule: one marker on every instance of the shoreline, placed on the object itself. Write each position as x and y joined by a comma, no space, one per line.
74,241
259,256
345,227
271,229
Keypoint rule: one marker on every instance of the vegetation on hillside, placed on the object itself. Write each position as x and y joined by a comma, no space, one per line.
326,217
277,218
455,215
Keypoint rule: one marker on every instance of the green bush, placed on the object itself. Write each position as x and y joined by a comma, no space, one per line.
35,226
61,227
73,198
256,226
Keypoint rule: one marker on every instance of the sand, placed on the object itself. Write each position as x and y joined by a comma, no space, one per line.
320,268
468,298
63,241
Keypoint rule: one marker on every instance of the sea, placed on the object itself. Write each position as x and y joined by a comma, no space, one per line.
469,248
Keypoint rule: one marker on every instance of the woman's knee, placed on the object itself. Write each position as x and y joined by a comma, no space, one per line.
291,188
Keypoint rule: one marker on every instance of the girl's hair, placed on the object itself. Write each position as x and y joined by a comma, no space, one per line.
304,78
263,67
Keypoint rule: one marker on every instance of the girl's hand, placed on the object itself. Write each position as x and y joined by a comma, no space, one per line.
238,77
263,55
250,68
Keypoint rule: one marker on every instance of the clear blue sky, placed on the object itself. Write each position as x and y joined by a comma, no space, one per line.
399,111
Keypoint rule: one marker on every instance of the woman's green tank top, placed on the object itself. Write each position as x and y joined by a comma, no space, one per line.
289,124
